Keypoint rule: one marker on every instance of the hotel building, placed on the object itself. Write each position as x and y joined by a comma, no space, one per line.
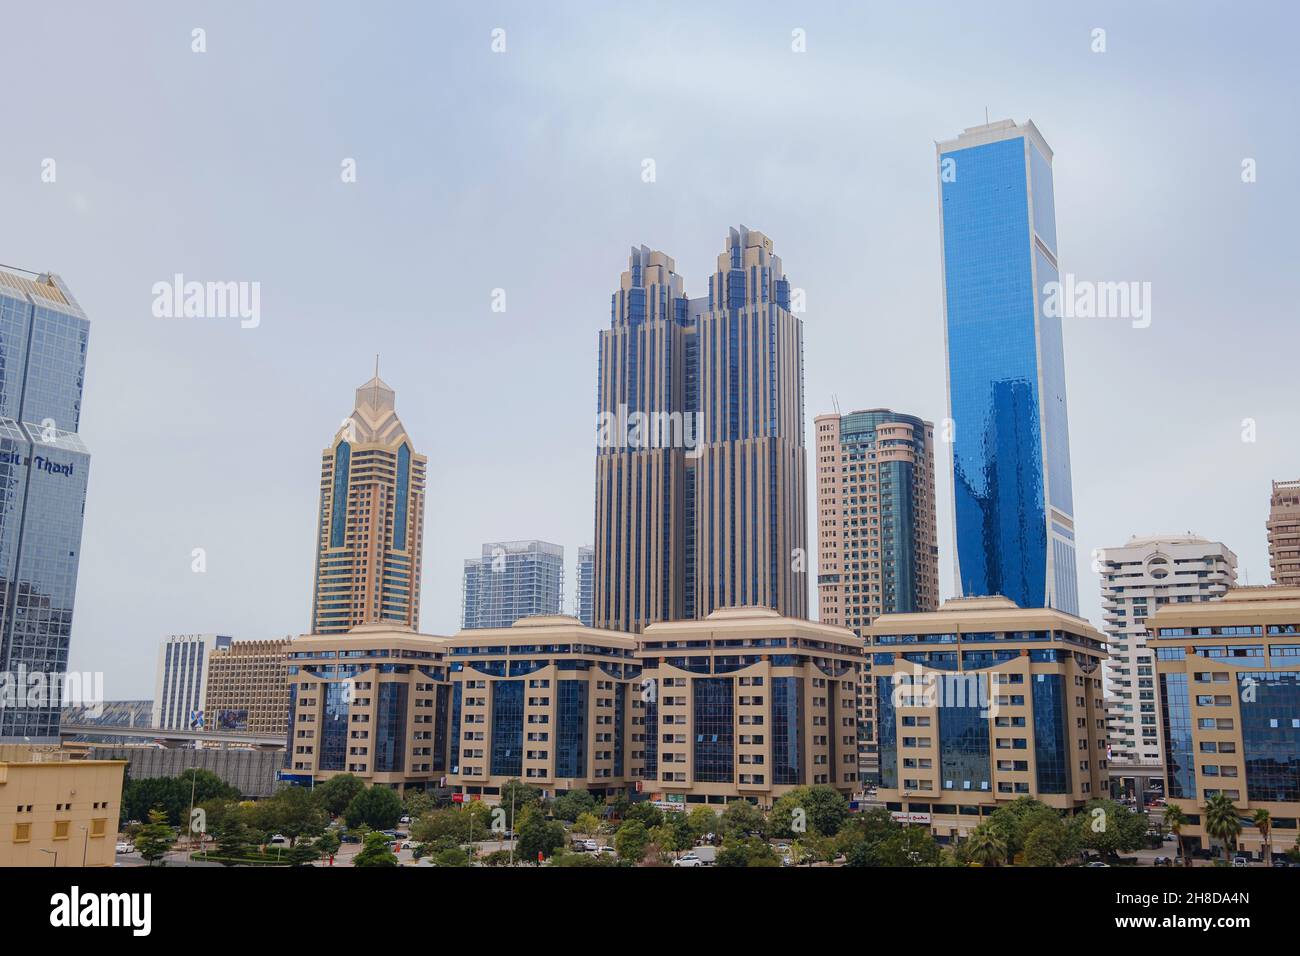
982,702
248,687
43,471
1136,581
373,702
1284,533
180,695
877,551
546,701
700,462
750,704
1229,673
1013,503
370,534
57,811
510,580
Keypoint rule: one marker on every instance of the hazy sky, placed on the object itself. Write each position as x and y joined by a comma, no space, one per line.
522,171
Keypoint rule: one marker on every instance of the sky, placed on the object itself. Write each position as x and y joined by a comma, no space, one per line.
522,170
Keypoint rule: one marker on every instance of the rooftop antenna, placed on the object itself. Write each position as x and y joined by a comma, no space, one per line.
986,116
835,400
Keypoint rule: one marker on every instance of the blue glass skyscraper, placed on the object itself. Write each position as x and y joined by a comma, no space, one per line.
1009,434
43,470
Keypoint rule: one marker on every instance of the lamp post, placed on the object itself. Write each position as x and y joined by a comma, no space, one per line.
54,852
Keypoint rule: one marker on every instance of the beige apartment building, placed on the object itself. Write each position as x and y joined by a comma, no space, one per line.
1284,533
546,701
370,536
877,547
248,687
982,702
372,702
1229,673
57,811
749,704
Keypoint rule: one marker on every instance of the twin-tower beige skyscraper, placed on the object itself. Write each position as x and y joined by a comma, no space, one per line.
700,461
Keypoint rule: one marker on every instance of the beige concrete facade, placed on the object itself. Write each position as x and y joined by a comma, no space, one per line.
1229,674
546,701
983,702
373,703
248,687
1284,533
371,533
748,703
56,811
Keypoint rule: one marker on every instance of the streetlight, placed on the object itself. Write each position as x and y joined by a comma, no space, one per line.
54,852
85,846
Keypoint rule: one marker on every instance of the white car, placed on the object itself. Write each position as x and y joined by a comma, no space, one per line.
605,849
277,839
124,847
586,846
688,859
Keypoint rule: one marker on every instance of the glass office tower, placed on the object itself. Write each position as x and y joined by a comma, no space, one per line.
512,580
1010,447
43,470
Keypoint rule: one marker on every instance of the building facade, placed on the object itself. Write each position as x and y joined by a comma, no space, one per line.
546,701
1229,673
583,609
511,580
373,703
1013,502
982,702
180,692
43,472
370,536
700,461
55,811
248,687
746,704
1284,533
877,545
1136,581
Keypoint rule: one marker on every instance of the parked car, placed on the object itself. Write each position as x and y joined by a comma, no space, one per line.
586,846
405,820
1241,860
124,847
1097,863
1162,861
688,859
277,839
605,849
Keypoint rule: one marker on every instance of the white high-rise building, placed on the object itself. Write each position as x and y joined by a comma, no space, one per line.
1143,575
181,685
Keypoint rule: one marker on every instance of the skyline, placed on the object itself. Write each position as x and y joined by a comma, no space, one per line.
168,400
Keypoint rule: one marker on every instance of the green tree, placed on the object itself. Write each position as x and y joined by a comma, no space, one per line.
742,818
747,851
520,796
674,834
377,807
910,846
155,838
451,856
1049,844
337,792
631,840
1223,822
645,812
417,803
539,837
450,823
1263,821
375,851
171,795
1109,828
328,843
292,812
587,824
824,811
1176,819
569,806
986,846
702,821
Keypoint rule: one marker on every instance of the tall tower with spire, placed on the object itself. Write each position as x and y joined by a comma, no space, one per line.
370,535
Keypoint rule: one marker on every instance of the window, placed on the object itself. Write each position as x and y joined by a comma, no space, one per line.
60,829
22,832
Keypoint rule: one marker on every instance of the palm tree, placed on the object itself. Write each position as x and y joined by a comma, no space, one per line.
1176,820
986,847
1263,823
1222,821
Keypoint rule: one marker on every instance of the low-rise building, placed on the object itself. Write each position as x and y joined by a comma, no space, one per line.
373,702
748,703
982,702
546,701
1229,673
57,811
